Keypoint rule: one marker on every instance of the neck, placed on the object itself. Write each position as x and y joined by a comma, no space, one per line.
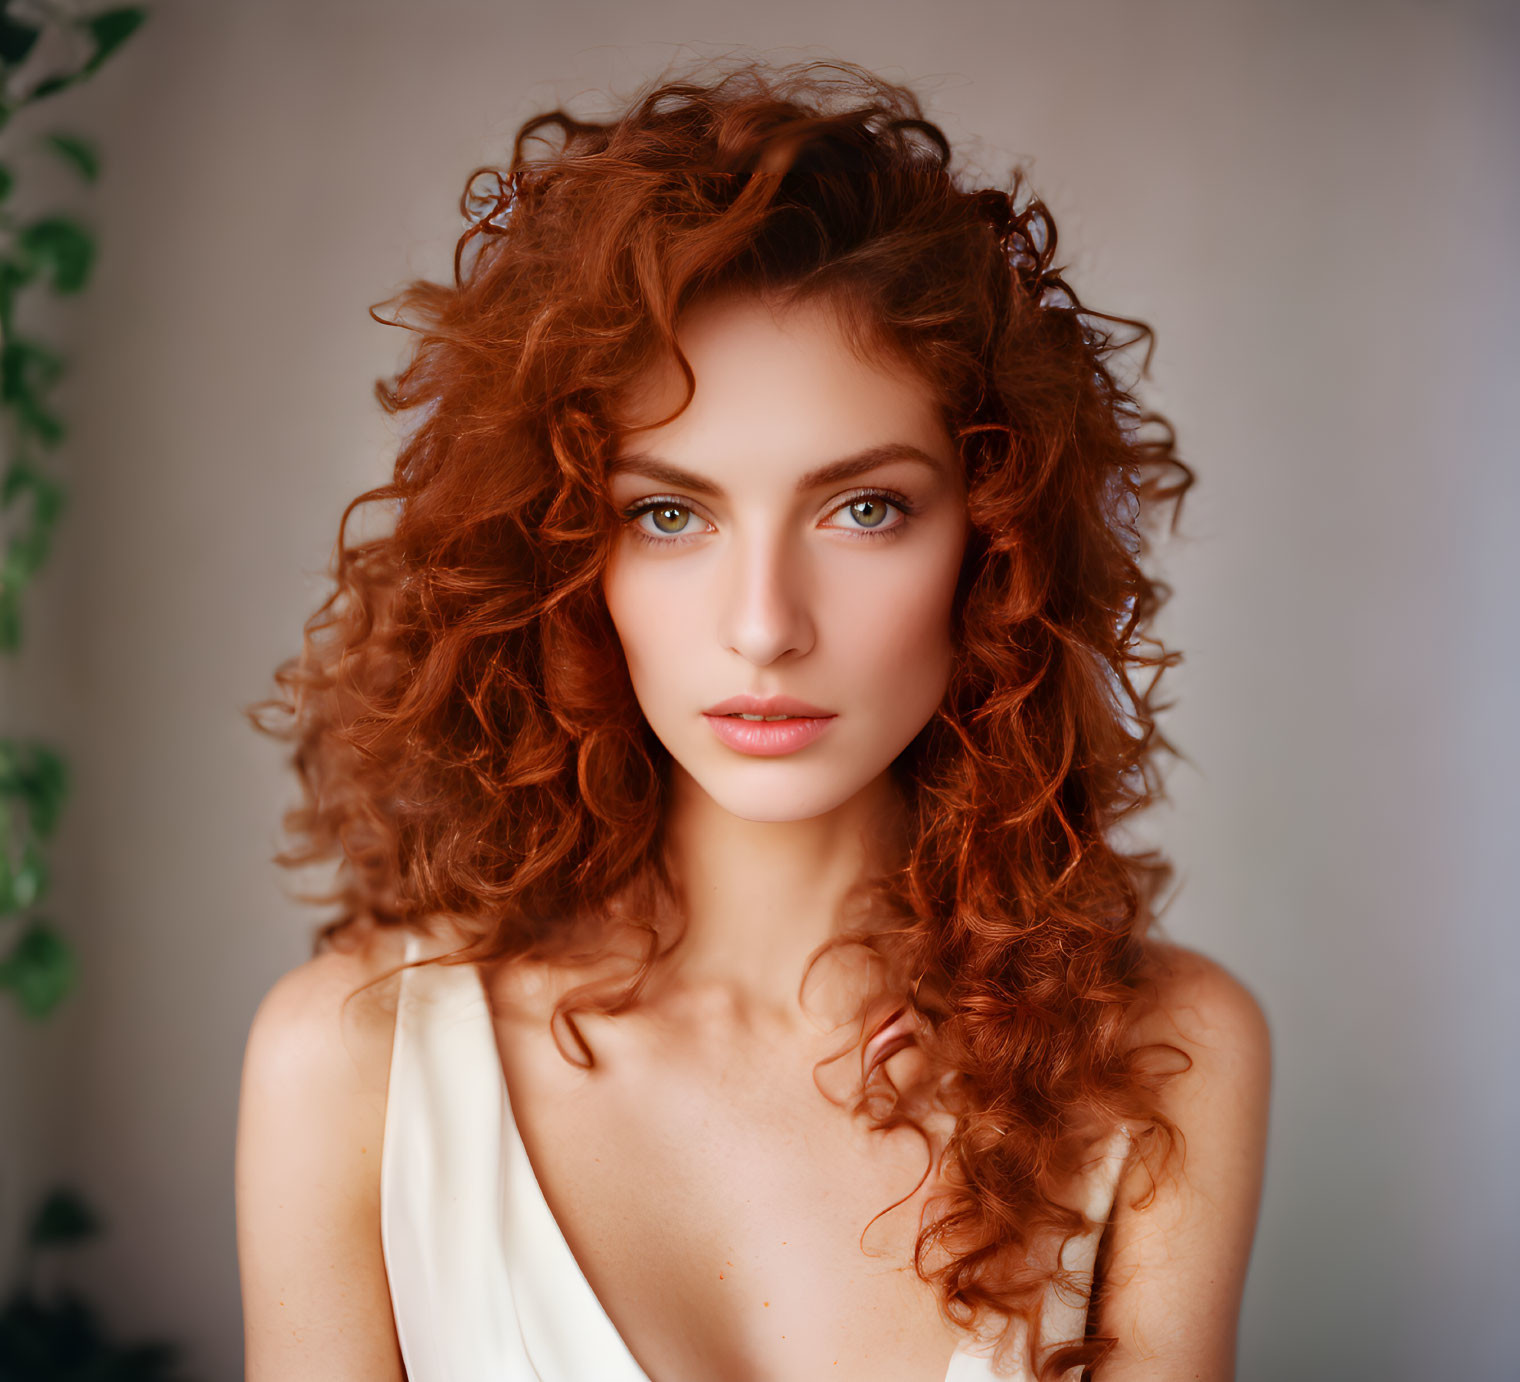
762,896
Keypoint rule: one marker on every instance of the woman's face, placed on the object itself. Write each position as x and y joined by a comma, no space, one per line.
796,532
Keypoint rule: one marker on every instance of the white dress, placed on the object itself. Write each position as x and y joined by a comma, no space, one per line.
483,1284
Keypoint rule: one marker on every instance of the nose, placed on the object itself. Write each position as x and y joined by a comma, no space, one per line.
764,598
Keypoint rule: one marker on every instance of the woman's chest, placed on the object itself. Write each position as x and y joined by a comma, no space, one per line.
718,1206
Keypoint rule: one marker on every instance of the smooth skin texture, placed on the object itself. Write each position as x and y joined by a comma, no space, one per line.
754,575
1178,1267
311,1116
750,580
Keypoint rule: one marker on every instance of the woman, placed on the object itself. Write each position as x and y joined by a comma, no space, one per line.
724,755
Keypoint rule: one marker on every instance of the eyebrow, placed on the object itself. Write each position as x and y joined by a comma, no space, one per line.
834,471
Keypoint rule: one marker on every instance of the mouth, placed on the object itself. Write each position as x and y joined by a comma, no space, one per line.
767,719
767,736
757,708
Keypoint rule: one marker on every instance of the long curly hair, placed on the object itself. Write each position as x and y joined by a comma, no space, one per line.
465,731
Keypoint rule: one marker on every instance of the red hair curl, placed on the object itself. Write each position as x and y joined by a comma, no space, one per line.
465,731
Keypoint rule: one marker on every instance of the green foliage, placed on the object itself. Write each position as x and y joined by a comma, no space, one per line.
79,154
62,1338
52,253
110,29
16,41
35,778
107,32
60,248
28,370
63,1217
40,970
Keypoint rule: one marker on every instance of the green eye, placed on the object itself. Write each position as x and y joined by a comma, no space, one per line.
672,519
663,514
869,509
869,501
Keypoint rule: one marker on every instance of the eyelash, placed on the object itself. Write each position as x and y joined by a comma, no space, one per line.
898,501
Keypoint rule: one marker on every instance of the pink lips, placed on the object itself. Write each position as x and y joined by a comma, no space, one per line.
767,738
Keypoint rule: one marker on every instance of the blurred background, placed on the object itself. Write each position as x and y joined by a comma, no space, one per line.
1315,204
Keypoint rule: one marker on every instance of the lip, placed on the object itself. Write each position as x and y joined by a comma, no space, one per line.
762,740
768,705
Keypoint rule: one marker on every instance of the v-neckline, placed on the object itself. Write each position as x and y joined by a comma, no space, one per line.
966,1363
517,1149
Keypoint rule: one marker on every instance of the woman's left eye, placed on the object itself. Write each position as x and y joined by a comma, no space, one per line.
870,511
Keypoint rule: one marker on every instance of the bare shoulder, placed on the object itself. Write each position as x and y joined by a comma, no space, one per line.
1202,1005
332,1013
311,1123
319,1043
1180,1241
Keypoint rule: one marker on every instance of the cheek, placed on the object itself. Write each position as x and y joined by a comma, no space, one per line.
895,620
651,616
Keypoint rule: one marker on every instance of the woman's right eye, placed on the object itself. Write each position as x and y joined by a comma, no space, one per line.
669,520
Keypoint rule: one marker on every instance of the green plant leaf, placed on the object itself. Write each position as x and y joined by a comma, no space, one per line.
110,29
52,85
16,40
7,181
15,274
64,1216
17,567
48,496
12,277
25,367
60,246
10,619
30,883
40,970
27,370
44,785
81,155
27,551
19,477
37,776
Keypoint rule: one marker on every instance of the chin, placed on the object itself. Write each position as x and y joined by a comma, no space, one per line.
777,790
775,808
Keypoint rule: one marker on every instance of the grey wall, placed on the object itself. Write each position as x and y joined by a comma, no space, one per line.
1315,204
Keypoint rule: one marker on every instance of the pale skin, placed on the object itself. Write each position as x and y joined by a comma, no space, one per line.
723,1239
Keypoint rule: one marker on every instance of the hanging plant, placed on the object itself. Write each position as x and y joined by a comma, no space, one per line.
52,1335
44,49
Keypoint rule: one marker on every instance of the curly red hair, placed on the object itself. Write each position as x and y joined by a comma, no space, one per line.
465,731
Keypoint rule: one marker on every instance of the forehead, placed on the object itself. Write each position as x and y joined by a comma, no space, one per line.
780,388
